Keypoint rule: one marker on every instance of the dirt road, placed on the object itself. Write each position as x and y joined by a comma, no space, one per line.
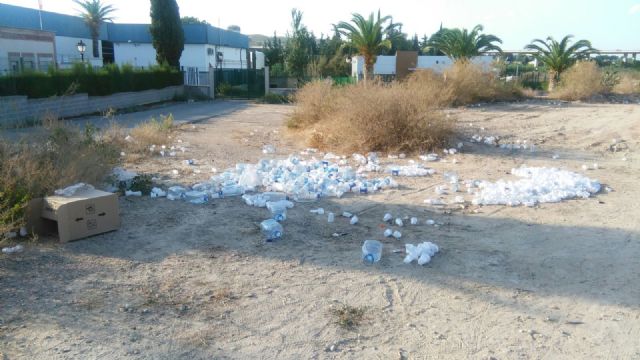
182,281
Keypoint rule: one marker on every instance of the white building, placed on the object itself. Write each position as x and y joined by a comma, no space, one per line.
387,64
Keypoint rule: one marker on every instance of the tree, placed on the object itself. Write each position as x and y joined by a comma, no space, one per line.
559,56
191,20
95,13
368,36
299,47
462,45
166,32
274,51
234,28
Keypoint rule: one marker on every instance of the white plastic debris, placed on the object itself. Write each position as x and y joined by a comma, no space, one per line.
331,217
397,234
120,174
429,157
388,233
157,192
414,221
23,231
347,214
422,252
268,149
354,220
458,200
73,189
399,222
13,250
387,217
132,193
409,170
318,211
430,222
435,202
537,185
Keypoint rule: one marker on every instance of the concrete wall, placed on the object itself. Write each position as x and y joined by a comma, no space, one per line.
17,109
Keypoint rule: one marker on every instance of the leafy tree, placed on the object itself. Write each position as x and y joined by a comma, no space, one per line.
300,46
462,45
191,20
415,43
370,36
274,51
559,56
429,46
234,28
95,13
166,32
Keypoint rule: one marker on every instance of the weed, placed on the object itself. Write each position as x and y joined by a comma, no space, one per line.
348,317
273,98
582,81
152,132
629,84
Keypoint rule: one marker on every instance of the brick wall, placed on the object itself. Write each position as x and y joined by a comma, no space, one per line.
17,109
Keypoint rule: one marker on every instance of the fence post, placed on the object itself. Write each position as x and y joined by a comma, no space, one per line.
266,80
212,83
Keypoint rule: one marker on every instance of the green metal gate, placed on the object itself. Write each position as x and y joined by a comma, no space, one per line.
239,83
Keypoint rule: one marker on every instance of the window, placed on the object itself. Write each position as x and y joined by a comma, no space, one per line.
44,61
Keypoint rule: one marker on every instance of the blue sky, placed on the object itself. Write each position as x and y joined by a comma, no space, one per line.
613,24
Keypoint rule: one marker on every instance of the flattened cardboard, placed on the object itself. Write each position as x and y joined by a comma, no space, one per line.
82,215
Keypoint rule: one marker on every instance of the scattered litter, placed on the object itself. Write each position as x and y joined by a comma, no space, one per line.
429,157
430,222
371,251
459,200
410,170
331,217
318,211
399,222
387,217
339,234
487,140
388,233
175,172
271,230
397,234
157,192
537,185
13,250
414,221
435,202
347,214
422,252
354,220
132,193
73,189
176,192
189,162
555,157
23,231
268,149
196,197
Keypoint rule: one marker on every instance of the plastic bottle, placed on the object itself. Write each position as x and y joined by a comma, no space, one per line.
306,196
231,190
399,222
271,230
354,220
331,217
196,197
371,251
397,234
414,221
387,217
176,192
278,210
318,211
388,233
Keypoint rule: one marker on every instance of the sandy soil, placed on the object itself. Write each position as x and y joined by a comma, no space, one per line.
182,281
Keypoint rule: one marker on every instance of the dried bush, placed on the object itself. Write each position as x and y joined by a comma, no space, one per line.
374,117
629,84
582,81
59,156
468,83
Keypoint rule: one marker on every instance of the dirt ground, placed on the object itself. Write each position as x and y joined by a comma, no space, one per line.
183,281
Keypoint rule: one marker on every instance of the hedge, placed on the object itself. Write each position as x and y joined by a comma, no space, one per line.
101,82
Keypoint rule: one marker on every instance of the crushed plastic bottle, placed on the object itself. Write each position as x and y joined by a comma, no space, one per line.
132,193
371,251
354,220
231,190
422,252
13,250
271,230
347,214
196,197
388,233
397,234
331,217
278,210
157,192
399,222
414,221
268,149
176,192
387,217
318,211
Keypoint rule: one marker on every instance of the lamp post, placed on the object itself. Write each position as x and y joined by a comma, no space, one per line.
82,47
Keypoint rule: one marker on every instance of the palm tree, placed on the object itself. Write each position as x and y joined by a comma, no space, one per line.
368,36
95,13
462,45
559,56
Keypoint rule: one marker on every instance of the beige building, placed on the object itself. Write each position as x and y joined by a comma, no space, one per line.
24,50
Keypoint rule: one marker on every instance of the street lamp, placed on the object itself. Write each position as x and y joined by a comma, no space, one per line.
82,47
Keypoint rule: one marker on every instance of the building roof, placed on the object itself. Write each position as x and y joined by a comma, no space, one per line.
73,26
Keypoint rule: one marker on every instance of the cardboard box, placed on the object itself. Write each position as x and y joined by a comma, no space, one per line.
75,217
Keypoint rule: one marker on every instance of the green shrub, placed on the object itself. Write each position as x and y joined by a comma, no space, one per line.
85,79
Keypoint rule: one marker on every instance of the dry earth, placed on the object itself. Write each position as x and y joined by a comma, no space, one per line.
182,281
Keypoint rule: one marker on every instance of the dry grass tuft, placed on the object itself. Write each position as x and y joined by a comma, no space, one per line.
629,84
468,84
152,132
348,317
582,81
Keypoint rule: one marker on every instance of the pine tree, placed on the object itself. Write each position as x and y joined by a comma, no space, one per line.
166,32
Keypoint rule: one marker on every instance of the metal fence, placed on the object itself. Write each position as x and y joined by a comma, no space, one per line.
239,83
